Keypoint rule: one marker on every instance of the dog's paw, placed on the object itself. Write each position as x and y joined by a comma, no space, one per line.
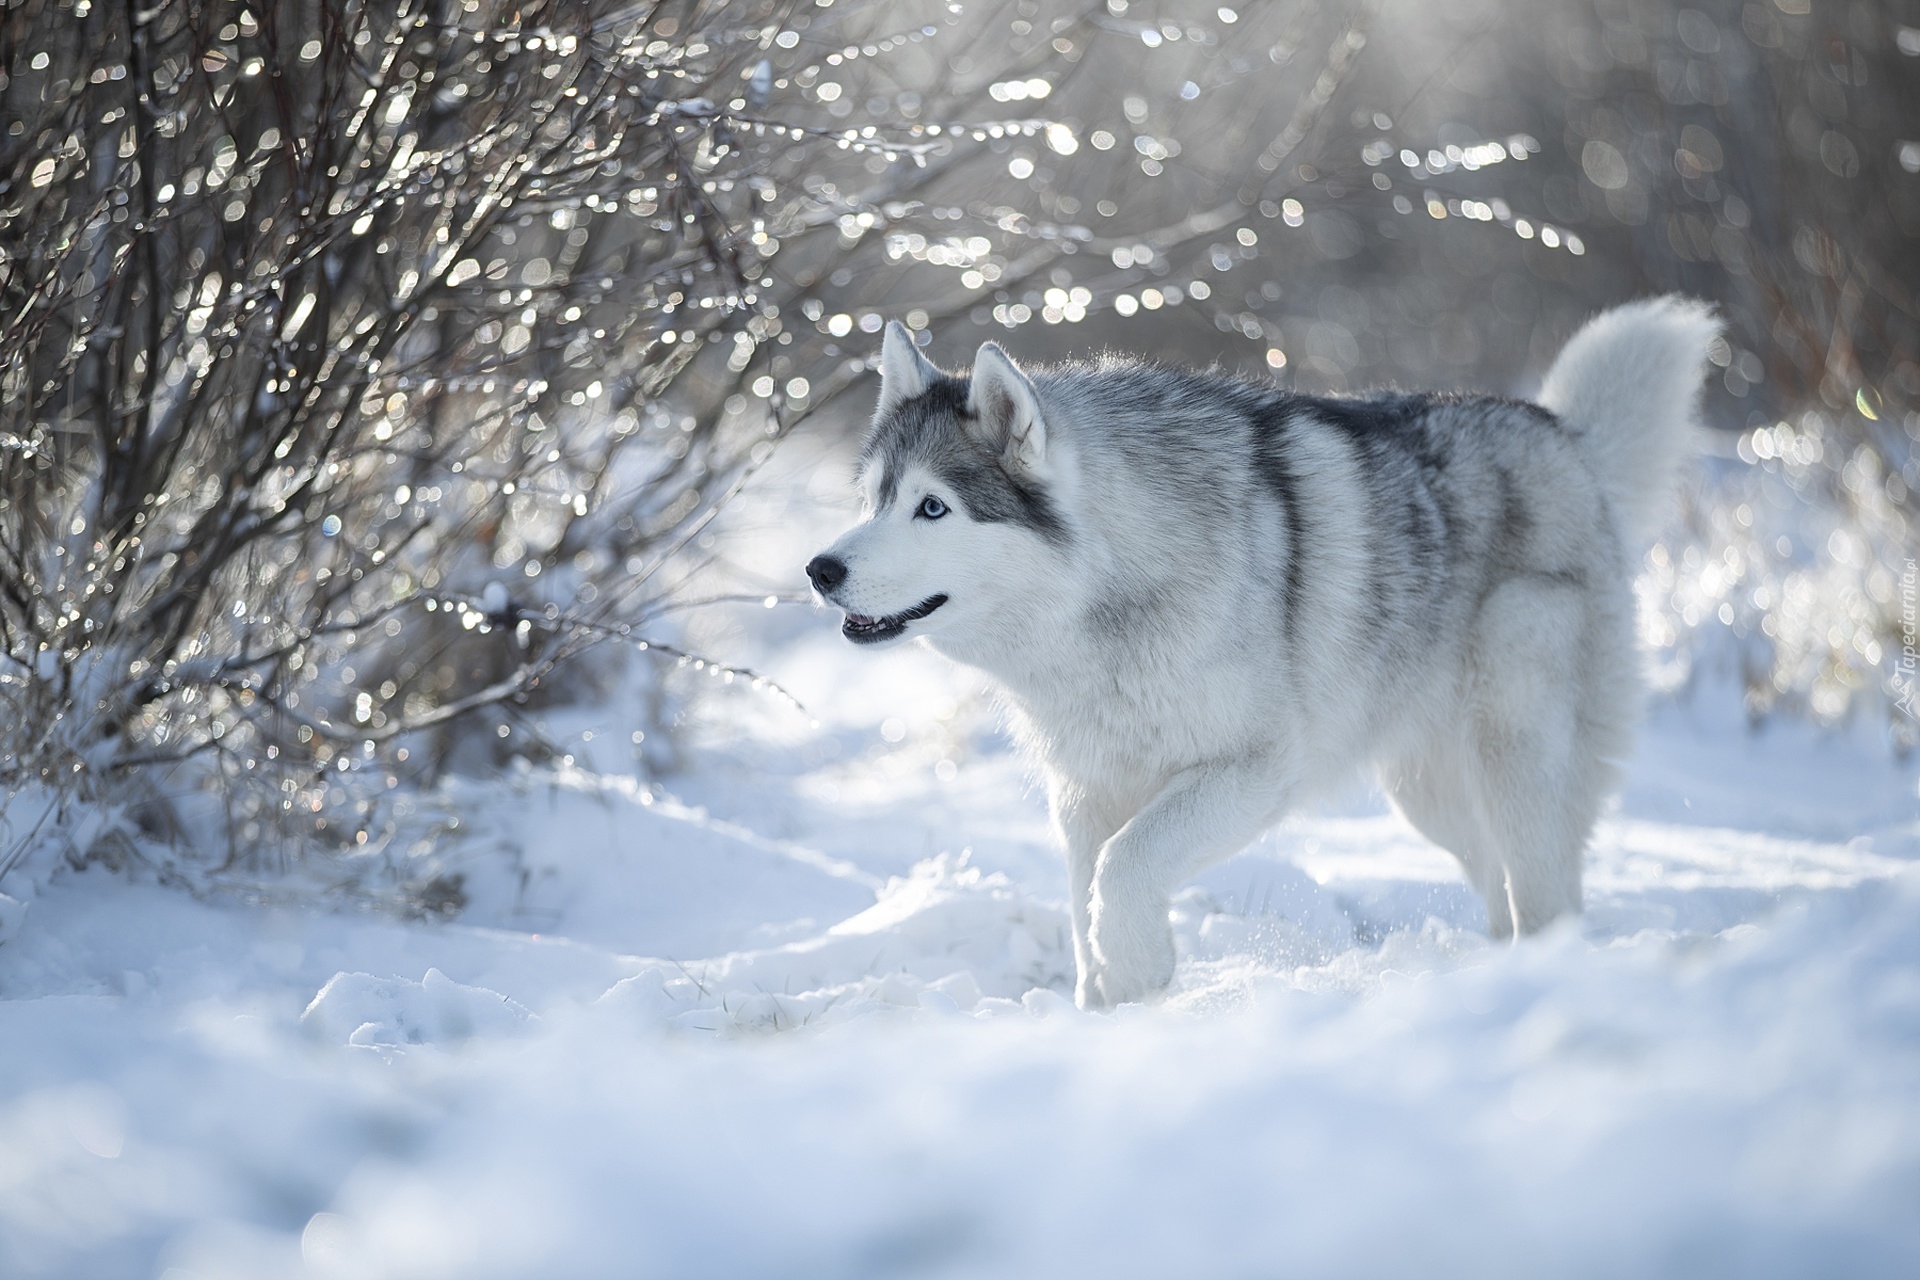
1116,988
1086,991
1133,958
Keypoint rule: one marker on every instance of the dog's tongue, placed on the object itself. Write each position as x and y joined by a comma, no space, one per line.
859,619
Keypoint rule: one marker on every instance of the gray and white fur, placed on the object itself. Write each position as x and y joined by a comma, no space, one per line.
1209,600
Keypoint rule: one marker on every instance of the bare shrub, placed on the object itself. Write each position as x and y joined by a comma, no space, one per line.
312,312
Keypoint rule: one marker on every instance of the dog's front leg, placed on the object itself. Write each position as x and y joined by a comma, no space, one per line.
1083,829
1203,815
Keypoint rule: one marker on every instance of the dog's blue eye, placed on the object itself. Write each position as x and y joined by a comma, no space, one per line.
931,508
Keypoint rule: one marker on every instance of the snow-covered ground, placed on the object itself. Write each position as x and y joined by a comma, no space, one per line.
800,1008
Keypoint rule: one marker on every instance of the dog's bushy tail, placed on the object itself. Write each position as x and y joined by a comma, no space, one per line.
1629,384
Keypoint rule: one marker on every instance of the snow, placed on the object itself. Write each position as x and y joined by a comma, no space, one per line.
801,1007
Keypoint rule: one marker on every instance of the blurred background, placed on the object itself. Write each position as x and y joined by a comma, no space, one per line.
375,375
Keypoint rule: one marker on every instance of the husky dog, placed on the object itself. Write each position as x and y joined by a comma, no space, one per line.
1208,600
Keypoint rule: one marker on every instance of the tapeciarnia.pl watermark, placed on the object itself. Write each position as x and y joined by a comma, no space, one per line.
1906,690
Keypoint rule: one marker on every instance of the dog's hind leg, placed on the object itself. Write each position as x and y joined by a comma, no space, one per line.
1432,789
1537,777
1204,814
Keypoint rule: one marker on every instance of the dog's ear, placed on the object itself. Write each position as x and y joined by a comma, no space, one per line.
904,372
1006,410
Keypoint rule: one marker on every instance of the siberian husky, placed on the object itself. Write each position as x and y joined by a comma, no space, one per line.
1208,600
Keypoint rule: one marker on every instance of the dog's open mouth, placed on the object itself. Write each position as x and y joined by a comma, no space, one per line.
861,629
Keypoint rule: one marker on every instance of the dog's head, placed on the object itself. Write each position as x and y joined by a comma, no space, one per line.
956,477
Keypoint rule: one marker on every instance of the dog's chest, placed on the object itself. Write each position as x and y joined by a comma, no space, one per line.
1124,724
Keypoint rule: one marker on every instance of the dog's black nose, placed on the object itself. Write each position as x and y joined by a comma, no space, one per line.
825,573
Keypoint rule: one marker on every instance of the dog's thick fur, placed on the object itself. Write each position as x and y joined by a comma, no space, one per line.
1208,600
